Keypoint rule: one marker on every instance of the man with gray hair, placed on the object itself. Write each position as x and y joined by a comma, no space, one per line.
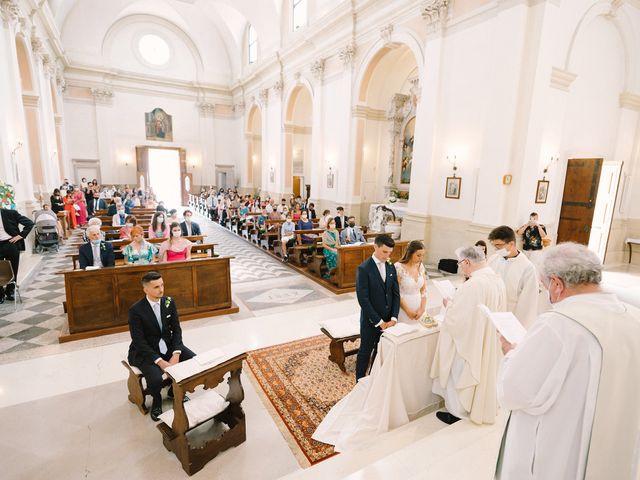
96,252
466,359
572,384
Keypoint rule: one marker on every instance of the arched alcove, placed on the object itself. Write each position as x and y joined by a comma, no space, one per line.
385,112
31,103
297,144
254,148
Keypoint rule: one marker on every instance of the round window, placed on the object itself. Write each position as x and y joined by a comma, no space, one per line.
153,49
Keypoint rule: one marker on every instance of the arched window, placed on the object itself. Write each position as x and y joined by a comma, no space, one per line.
252,43
299,14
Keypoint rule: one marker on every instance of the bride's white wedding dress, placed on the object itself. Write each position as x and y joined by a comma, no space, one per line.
409,290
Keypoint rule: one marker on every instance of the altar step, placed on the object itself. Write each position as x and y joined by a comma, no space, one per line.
423,449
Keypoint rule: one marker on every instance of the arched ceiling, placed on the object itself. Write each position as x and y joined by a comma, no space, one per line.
83,24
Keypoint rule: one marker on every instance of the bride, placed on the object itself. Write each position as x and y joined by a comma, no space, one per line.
413,283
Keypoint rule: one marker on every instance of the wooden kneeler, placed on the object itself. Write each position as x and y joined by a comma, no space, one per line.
137,393
337,354
175,438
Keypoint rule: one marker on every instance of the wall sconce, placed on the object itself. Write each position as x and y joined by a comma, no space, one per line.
546,169
272,174
16,172
17,147
453,163
331,178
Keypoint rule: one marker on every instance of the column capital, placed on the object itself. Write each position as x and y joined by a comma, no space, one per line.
206,109
630,100
103,94
9,10
317,69
561,79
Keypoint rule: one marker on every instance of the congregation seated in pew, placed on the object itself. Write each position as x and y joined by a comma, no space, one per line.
351,233
188,226
159,227
175,248
305,224
130,222
330,244
120,218
139,251
96,252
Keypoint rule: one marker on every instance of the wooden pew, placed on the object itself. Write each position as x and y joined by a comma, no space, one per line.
98,301
349,257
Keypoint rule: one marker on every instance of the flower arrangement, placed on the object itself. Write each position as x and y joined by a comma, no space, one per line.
7,196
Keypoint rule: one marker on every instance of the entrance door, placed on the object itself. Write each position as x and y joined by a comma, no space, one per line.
171,181
603,212
579,199
296,186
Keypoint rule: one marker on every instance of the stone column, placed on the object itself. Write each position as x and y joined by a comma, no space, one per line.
103,99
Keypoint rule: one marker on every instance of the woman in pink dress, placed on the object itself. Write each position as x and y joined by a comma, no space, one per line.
176,248
79,198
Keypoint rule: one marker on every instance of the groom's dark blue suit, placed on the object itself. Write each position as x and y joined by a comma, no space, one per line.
378,301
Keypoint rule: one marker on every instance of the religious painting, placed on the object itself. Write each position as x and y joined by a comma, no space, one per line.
158,125
452,189
407,151
542,191
506,180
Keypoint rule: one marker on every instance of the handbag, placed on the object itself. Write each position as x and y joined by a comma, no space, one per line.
77,207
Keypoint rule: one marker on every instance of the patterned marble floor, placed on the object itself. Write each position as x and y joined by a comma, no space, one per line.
39,319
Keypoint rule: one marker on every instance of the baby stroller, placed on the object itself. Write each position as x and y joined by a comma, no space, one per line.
46,232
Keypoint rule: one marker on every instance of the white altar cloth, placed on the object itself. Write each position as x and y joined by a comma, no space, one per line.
397,391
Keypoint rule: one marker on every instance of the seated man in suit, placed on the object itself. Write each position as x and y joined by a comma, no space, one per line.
378,294
351,233
156,337
341,219
189,227
11,243
96,252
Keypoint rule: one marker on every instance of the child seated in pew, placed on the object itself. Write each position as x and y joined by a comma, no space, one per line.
139,251
176,248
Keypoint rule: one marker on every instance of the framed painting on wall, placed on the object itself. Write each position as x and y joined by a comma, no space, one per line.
452,189
158,125
542,191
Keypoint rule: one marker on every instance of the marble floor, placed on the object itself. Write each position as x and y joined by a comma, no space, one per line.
64,408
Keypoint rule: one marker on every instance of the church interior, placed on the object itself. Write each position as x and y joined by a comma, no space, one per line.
424,120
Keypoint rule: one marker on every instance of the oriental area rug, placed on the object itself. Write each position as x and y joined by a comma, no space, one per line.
298,385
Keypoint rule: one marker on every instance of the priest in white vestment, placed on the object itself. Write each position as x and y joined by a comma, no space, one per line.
573,382
466,359
519,275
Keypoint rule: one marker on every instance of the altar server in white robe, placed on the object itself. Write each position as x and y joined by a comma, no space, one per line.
519,275
466,360
573,382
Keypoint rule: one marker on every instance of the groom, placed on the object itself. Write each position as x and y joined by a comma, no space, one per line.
379,298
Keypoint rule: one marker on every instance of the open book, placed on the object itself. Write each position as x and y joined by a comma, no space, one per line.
506,323
401,329
445,287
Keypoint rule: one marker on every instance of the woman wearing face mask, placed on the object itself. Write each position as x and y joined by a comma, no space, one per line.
176,248
330,244
158,227
305,224
130,222
139,251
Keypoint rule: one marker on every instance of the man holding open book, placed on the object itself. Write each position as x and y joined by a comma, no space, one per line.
466,359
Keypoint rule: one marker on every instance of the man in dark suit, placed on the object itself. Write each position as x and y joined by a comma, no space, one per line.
11,243
156,337
379,298
96,252
189,227
341,219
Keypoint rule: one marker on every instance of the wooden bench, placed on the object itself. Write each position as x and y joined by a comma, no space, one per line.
337,353
318,264
138,392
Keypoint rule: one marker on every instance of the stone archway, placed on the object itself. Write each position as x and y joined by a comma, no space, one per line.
297,142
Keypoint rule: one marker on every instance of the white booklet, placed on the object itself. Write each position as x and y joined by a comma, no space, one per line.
445,287
506,323
401,329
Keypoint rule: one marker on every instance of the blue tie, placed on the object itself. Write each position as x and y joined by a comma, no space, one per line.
162,344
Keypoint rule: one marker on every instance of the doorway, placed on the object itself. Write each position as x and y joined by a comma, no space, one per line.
579,199
164,176
605,205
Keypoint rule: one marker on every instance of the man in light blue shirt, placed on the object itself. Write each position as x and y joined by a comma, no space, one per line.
351,233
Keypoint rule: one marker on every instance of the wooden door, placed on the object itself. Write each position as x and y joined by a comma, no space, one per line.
296,186
579,200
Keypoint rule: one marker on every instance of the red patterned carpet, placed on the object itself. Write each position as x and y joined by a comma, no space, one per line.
299,385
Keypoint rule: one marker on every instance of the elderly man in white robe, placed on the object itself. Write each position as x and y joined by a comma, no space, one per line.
572,384
466,360
519,275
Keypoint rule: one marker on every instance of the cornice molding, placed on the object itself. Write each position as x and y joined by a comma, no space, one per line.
561,79
630,100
